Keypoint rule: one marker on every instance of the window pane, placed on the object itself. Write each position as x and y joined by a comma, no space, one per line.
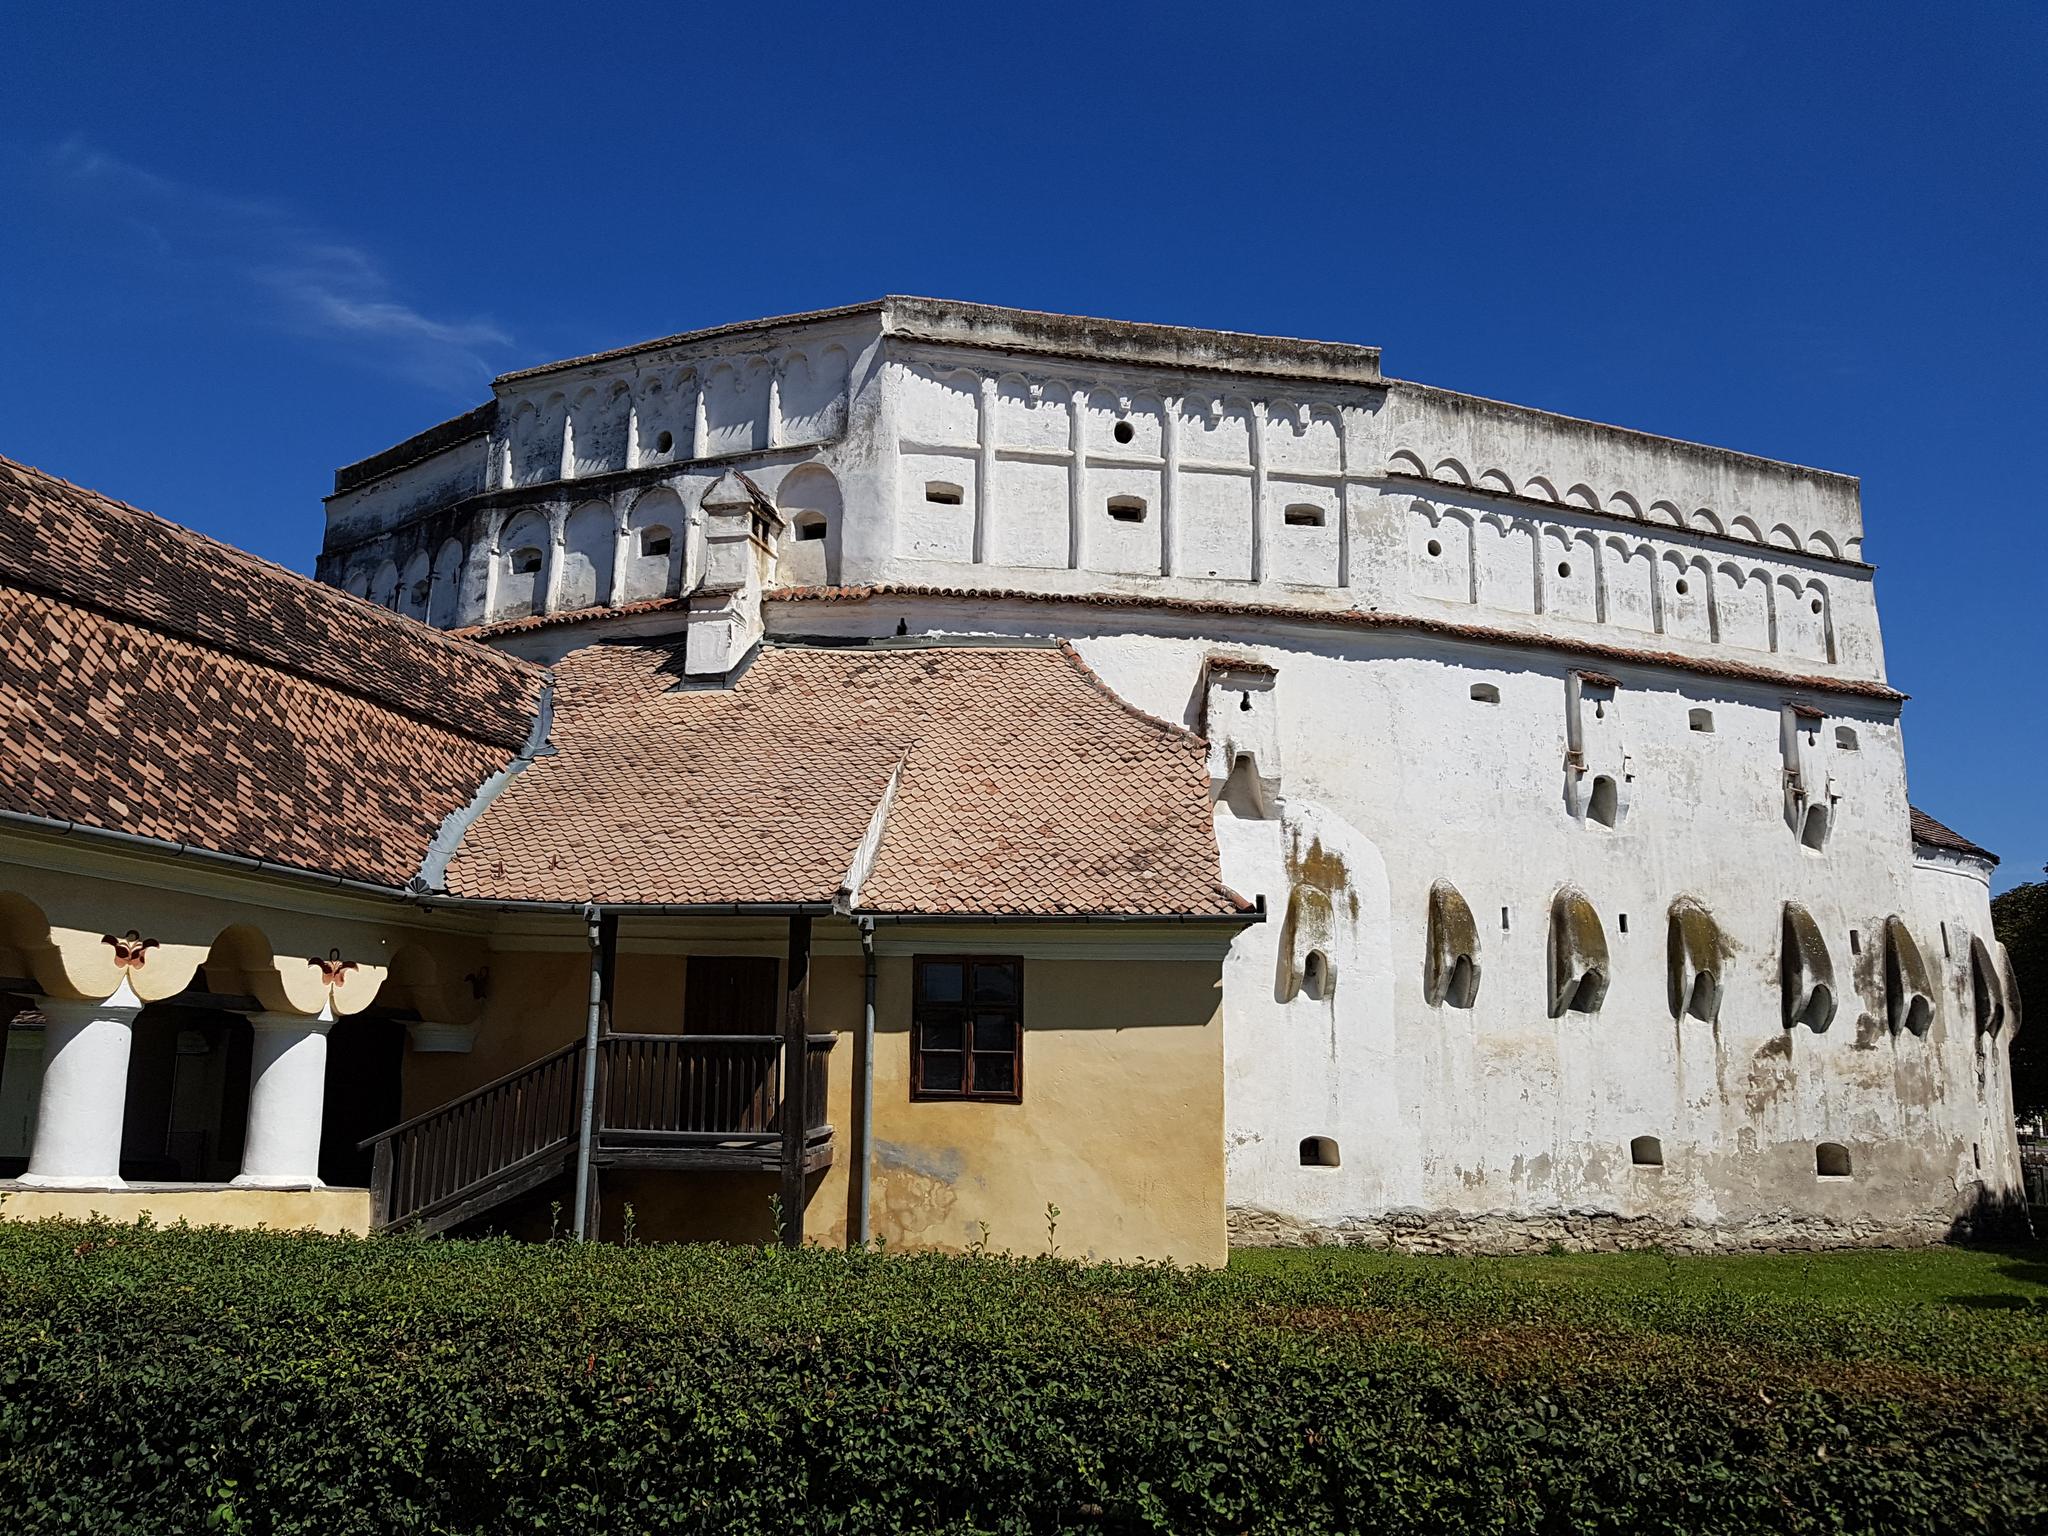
942,1071
995,1032
995,983
943,1032
994,1073
942,981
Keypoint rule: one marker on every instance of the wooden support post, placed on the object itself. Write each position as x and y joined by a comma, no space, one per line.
380,1185
603,932
795,1111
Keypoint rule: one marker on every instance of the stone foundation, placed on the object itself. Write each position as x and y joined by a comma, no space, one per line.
1589,1230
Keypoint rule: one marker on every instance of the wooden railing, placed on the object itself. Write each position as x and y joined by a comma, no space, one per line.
524,1119
666,1091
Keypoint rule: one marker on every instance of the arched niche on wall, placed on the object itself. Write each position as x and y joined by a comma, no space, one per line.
1450,962
444,603
523,553
1806,973
1987,989
415,586
1579,967
1695,951
811,509
655,530
383,590
589,538
1908,986
1307,936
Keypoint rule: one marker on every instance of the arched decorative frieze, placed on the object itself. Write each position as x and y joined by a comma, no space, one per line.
1628,576
1440,545
1450,961
735,407
1742,607
940,407
1908,987
1806,972
812,396
598,418
1414,461
1695,953
1568,574
1579,965
1504,563
1302,439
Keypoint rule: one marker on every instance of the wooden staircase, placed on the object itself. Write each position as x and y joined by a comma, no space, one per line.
709,1103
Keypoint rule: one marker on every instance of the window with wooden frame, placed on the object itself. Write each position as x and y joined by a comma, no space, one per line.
967,1028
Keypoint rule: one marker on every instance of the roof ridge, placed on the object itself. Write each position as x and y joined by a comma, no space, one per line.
1356,618
327,592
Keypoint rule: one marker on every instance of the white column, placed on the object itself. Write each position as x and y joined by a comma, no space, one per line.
287,1081
85,1092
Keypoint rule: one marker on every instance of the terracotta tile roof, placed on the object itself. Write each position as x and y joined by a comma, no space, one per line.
1352,618
532,621
155,682
118,726
92,552
1025,787
1931,832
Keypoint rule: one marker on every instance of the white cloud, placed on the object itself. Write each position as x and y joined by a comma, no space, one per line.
306,281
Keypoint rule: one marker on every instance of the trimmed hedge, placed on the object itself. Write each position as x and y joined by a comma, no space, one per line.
180,1380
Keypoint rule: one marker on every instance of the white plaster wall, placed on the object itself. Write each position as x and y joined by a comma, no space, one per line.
1039,449
1392,777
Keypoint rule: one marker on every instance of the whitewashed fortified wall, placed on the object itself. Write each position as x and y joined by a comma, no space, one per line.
1594,916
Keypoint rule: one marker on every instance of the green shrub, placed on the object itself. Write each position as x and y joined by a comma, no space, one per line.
181,1380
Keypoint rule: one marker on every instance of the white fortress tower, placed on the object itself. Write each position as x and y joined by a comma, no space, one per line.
1561,754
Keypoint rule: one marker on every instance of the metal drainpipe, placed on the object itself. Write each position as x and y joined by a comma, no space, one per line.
864,1232
592,920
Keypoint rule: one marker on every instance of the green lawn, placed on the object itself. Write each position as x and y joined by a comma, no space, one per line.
2011,1278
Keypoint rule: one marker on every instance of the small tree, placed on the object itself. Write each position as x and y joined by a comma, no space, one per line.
2021,919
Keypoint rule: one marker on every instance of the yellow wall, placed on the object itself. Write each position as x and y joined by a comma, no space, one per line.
1121,1125
284,1210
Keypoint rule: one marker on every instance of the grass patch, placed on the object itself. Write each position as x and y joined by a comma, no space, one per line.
179,1380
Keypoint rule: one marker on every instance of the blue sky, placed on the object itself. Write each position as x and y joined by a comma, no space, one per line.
244,245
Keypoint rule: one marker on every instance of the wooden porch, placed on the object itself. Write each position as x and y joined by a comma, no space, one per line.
687,1103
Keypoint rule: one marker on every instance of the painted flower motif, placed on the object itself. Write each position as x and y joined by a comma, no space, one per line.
130,949
333,970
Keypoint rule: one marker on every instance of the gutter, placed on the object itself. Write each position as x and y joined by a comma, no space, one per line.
1257,914
135,842
248,865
